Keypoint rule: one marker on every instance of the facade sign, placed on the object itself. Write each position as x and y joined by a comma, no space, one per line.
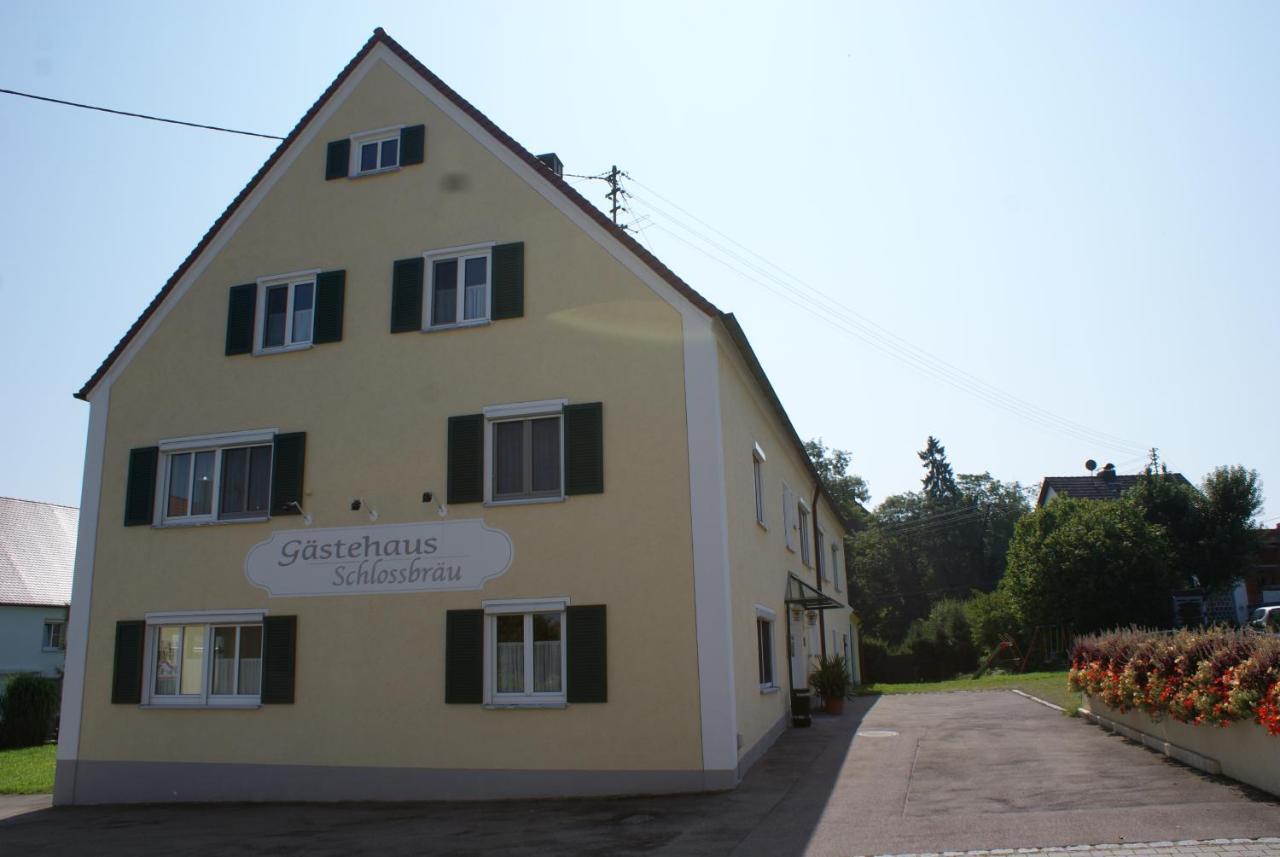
425,557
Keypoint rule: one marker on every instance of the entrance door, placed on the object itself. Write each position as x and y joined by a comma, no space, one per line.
798,646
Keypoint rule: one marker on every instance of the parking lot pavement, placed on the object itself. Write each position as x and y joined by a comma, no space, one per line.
1266,847
928,773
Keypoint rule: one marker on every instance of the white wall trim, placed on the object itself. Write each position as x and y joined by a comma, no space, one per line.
82,590
763,612
524,409
206,617
524,605
711,579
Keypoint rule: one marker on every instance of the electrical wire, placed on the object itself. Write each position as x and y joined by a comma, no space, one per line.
138,115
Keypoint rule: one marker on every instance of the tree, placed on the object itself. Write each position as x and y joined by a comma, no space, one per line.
887,582
1176,507
849,490
939,481
1231,499
1089,563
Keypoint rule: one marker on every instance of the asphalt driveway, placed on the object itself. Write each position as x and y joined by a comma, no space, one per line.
900,774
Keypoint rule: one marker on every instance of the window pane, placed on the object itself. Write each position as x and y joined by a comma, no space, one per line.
167,645
391,152
476,271
273,323
546,652
224,660
259,479
510,654
202,484
235,480
444,292
179,484
368,156
250,659
303,303
508,458
475,277
546,455
192,676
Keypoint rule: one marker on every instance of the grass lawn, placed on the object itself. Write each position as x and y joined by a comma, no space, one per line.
28,771
1050,686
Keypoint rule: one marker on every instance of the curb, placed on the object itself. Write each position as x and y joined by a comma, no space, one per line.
1079,849
1044,702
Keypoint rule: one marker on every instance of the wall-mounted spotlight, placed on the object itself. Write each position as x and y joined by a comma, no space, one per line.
442,511
358,503
306,519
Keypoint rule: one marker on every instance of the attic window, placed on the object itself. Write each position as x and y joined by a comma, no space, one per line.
375,152
378,151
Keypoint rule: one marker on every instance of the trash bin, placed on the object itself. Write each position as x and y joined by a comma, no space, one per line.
801,700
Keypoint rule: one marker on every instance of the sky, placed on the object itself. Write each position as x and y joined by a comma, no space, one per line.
1042,233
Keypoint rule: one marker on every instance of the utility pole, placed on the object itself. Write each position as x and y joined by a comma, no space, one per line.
614,178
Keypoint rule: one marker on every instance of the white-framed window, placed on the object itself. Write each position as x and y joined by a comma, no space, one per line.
458,282
216,478
819,555
757,469
524,452
788,516
55,635
204,659
765,619
375,151
286,311
524,652
802,518
837,570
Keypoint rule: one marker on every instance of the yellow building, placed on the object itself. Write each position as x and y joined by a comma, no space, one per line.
419,479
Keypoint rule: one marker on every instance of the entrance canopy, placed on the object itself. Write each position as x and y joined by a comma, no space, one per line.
801,593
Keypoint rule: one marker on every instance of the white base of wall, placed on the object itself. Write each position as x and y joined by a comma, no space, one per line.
1242,751
95,782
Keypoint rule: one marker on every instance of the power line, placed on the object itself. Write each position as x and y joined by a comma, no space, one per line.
138,115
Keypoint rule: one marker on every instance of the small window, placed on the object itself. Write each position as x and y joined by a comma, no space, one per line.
788,517
55,636
217,484
375,154
205,664
819,546
836,571
287,313
764,647
459,289
757,468
526,459
526,655
803,524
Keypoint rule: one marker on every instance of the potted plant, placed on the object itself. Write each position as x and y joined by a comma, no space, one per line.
831,681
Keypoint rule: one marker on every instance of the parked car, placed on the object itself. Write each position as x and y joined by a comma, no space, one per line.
1266,619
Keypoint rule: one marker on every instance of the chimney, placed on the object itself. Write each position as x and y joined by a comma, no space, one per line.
552,163
1108,472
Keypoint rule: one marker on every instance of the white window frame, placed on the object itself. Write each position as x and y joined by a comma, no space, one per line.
819,548
515,412
379,136
803,514
51,641
757,470
215,443
209,620
526,607
483,250
764,614
788,515
292,281
837,571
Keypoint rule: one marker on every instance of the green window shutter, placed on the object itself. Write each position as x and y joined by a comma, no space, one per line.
288,461
241,307
337,160
406,295
464,657
413,144
331,289
466,459
126,673
584,449
140,492
508,281
279,656
586,655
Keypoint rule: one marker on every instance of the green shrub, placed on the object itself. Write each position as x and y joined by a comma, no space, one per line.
991,616
874,653
27,709
831,678
942,642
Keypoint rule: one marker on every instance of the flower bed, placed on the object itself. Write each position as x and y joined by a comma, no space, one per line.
1214,677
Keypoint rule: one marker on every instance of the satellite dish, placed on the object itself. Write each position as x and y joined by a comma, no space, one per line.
1091,465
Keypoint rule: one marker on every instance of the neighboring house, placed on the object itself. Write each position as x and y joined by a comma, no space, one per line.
459,493
1262,584
1106,484
37,551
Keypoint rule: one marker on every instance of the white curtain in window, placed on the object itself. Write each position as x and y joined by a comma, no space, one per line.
546,667
511,667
